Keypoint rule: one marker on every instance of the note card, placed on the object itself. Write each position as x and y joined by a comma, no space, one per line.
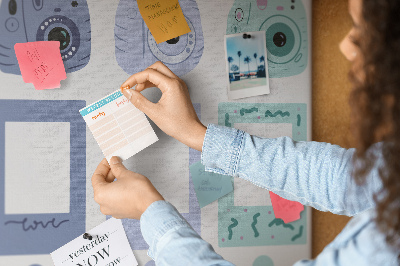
164,18
41,64
109,246
118,126
209,186
288,211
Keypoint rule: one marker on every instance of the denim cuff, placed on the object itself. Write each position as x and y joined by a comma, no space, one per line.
221,151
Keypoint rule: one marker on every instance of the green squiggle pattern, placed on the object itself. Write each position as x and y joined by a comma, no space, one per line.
253,225
227,124
299,234
234,224
248,111
280,222
255,229
279,112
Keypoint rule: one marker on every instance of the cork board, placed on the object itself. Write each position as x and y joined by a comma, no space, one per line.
330,96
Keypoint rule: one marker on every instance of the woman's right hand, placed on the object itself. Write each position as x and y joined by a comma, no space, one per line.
173,113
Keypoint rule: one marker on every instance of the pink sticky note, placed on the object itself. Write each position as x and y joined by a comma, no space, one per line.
41,64
284,209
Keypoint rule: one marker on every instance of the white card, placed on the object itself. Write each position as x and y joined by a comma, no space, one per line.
118,126
108,247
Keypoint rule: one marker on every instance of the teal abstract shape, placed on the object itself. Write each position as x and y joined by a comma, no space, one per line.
248,111
279,222
227,124
298,120
263,261
286,32
279,112
299,234
234,224
253,225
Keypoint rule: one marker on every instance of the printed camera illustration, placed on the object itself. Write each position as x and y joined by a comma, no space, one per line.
136,49
38,20
285,24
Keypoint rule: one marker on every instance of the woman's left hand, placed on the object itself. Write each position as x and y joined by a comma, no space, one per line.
127,197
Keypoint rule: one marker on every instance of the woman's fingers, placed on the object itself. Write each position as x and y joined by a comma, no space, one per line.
159,80
100,174
142,86
141,102
160,67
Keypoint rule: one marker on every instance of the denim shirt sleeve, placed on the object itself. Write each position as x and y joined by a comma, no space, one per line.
312,173
172,241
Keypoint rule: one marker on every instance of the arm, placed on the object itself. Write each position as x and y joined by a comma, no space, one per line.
171,239
315,174
312,173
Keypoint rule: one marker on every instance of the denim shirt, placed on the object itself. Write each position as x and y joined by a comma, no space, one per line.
312,173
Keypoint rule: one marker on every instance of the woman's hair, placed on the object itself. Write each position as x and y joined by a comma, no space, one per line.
375,101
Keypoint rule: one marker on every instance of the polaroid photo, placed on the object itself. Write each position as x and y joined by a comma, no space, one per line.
246,64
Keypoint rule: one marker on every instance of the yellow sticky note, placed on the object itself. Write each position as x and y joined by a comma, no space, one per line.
164,18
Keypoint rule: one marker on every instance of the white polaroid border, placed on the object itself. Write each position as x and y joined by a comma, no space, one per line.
254,91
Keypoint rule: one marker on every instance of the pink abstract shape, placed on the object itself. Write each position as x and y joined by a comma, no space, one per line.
279,8
241,238
288,211
41,64
239,15
262,4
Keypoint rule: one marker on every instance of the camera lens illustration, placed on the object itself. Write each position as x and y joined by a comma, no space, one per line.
285,25
37,20
136,49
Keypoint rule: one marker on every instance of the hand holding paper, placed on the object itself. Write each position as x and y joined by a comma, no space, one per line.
174,113
129,197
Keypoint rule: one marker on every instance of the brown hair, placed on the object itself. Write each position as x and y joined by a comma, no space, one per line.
375,101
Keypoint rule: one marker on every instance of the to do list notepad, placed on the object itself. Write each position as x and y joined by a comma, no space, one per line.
118,126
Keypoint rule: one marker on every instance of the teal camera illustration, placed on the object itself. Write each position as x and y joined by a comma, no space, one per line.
65,21
285,24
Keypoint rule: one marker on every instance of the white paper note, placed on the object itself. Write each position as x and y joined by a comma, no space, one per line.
118,126
108,247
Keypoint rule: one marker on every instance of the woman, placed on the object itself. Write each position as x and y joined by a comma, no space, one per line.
362,182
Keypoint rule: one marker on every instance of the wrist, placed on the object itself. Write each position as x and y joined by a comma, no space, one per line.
149,202
197,136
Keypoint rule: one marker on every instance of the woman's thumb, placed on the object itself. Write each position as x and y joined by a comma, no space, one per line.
117,167
138,100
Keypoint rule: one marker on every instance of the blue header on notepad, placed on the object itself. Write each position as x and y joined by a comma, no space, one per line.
100,103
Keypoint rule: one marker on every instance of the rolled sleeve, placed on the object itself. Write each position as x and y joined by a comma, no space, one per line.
221,149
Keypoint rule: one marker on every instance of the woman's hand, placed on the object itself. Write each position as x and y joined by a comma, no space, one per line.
128,196
174,112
